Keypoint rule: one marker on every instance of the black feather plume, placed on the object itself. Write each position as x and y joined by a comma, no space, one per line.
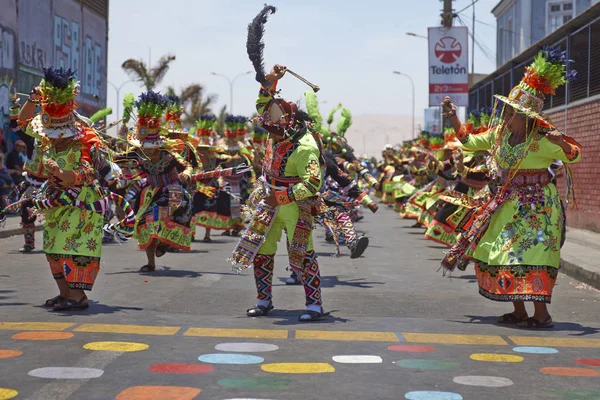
255,44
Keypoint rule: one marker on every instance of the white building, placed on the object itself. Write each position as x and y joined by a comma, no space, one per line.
522,23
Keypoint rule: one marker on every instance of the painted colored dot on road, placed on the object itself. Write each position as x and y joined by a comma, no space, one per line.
432,395
358,359
485,381
426,364
42,335
590,362
230,359
255,383
574,394
166,368
121,347
568,371
6,394
490,357
298,368
66,373
246,347
411,349
159,393
535,350
10,353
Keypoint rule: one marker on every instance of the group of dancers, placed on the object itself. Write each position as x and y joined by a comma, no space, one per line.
486,188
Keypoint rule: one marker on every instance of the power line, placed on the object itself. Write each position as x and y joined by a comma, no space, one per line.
484,49
470,5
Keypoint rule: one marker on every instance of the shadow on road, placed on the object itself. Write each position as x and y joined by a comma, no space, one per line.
161,272
33,252
580,330
333,281
290,317
5,291
96,309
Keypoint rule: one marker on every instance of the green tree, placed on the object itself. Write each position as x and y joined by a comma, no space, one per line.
193,102
150,78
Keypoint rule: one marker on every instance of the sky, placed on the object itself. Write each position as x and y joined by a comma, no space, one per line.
347,47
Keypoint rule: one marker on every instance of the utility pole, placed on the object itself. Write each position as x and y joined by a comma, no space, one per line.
473,40
447,14
447,20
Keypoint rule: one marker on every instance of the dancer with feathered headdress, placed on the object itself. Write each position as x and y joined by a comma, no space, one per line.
519,233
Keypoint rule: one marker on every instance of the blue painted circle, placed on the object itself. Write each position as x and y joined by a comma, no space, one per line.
535,350
230,359
429,395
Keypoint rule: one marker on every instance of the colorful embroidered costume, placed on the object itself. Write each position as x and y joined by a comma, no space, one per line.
518,234
164,208
73,225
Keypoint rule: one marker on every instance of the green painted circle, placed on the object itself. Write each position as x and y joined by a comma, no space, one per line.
575,394
254,383
426,364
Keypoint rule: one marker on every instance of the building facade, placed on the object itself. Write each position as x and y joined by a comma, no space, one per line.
521,23
60,33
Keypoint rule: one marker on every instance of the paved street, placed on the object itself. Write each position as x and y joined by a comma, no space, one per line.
398,329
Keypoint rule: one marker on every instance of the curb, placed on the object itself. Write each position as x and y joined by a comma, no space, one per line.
581,274
6,233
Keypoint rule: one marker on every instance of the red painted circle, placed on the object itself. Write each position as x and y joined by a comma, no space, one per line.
565,371
590,362
181,368
411,349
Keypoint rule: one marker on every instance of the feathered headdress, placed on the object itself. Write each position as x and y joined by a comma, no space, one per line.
150,108
128,104
549,70
312,108
344,122
205,126
331,115
58,87
255,44
58,119
101,114
173,115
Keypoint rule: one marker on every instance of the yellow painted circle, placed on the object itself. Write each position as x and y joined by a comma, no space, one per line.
6,394
298,368
121,347
489,357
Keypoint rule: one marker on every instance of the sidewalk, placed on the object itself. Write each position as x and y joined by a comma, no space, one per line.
13,227
580,256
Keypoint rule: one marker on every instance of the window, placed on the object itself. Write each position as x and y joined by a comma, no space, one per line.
559,13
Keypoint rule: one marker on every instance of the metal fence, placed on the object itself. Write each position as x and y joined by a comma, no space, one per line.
580,38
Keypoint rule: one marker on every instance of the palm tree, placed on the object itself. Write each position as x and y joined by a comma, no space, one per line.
221,121
193,102
138,70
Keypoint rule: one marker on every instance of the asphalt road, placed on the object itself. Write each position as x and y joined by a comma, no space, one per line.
181,332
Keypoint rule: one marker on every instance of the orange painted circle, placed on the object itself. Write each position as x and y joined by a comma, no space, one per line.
10,353
42,335
158,393
590,362
567,371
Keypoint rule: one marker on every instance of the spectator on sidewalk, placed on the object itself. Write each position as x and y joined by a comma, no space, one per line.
6,183
15,161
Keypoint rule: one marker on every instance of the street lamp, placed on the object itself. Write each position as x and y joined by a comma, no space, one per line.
413,99
415,35
118,90
231,82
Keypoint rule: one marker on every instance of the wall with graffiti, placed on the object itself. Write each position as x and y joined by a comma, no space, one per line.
38,34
